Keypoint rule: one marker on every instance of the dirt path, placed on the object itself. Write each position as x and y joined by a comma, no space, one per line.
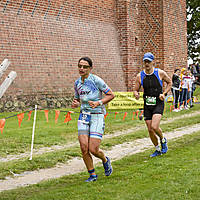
76,164
59,147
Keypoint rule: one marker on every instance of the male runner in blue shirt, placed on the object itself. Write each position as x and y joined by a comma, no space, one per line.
151,79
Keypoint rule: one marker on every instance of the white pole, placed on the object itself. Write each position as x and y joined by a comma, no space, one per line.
33,132
4,86
4,65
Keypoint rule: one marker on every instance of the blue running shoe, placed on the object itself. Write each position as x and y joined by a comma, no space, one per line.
108,167
164,145
91,178
156,153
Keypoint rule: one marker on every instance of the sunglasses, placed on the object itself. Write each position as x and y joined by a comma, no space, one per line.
83,66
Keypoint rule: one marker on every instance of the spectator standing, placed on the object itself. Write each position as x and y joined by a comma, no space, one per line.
176,89
185,86
194,69
197,67
190,88
180,91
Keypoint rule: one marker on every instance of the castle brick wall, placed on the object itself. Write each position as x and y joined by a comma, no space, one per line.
44,40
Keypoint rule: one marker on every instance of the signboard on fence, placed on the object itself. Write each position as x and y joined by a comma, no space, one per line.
126,100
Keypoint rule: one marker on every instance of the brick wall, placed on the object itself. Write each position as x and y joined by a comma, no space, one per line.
45,38
152,26
175,34
157,26
130,38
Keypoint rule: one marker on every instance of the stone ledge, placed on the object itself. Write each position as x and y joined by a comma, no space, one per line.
45,101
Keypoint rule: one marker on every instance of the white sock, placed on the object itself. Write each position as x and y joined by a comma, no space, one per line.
158,148
163,140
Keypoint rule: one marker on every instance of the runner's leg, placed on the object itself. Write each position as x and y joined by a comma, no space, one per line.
84,145
155,125
94,144
152,134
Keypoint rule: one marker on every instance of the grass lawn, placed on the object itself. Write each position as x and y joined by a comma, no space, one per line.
171,176
15,140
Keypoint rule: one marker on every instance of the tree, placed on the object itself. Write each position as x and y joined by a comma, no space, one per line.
193,28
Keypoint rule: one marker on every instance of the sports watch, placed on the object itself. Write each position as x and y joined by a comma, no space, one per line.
100,102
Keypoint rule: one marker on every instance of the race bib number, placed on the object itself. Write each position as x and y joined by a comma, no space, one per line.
150,101
85,117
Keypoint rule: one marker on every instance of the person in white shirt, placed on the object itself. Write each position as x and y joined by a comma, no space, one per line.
190,88
185,85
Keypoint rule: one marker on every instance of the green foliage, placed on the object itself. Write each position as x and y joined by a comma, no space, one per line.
197,91
193,28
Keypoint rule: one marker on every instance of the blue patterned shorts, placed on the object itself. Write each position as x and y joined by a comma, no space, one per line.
95,128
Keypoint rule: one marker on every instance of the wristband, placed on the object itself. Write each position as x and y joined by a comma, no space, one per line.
100,102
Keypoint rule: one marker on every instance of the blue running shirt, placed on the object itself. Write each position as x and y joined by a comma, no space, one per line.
155,72
151,83
90,90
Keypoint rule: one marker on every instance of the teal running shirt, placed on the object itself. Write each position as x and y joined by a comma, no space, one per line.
91,90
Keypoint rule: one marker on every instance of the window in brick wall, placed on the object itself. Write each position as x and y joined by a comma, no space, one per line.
49,5
4,8
35,7
59,13
136,41
20,7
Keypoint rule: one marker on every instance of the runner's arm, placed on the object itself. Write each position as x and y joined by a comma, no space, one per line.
137,87
107,98
168,80
75,103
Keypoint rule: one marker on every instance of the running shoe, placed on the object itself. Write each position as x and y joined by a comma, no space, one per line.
108,167
156,153
181,107
164,145
91,178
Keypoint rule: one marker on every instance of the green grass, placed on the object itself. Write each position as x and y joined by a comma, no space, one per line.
171,176
42,161
16,140
197,91
178,123
135,177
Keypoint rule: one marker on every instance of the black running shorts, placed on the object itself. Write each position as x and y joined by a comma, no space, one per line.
149,111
